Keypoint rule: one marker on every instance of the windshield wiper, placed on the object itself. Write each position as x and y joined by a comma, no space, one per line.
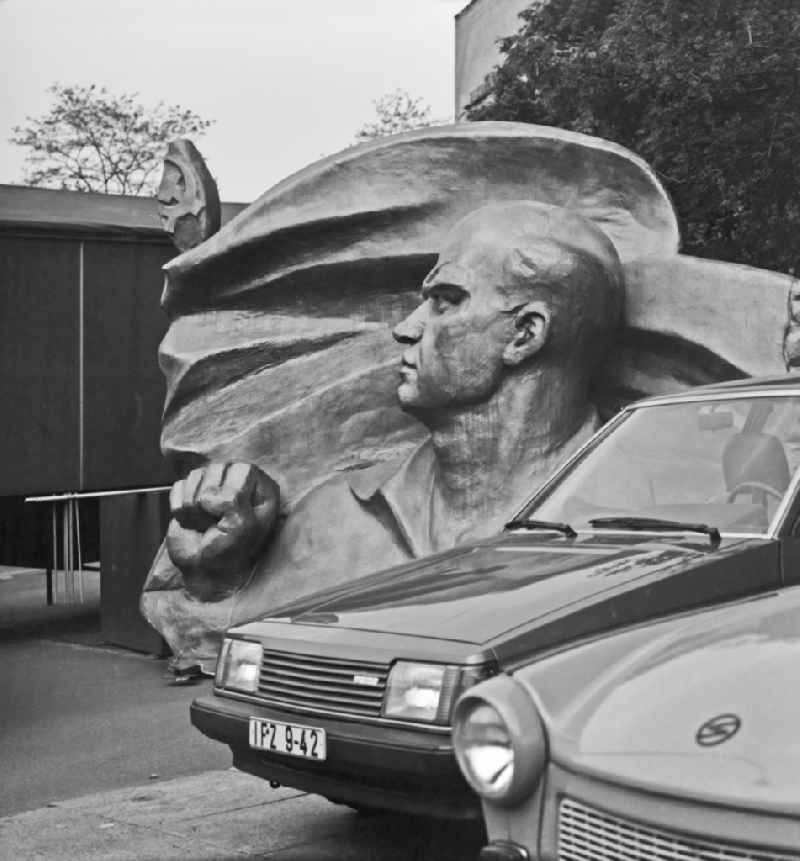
655,524
521,523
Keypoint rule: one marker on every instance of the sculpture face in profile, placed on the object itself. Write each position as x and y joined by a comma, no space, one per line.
511,278
499,359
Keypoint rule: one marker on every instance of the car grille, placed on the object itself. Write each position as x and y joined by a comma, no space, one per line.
585,834
312,683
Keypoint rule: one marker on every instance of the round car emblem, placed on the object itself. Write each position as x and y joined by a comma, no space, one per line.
717,730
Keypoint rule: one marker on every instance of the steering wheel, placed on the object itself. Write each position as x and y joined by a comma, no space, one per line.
753,486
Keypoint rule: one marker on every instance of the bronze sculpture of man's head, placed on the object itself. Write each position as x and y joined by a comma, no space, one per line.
516,283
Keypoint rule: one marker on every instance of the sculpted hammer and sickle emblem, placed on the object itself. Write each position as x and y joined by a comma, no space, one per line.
188,197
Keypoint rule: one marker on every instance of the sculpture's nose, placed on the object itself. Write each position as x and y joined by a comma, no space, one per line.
409,331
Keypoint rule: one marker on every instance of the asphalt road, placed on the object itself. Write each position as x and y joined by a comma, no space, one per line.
77,719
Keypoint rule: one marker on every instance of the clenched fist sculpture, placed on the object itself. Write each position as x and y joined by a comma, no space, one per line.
222,515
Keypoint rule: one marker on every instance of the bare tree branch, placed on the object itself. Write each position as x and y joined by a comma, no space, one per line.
93,140
395,112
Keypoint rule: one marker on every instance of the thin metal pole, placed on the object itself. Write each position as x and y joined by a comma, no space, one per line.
71,546
71,508
65,549
97,494
56,511
64,560
78,547
51,555
81,372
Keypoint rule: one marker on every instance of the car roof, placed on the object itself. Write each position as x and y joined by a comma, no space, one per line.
777,385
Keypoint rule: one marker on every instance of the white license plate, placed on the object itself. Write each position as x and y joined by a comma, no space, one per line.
289,739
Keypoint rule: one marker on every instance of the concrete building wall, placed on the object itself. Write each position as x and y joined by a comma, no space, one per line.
478,28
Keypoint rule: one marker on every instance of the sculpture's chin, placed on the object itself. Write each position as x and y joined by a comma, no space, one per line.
408,394
415,404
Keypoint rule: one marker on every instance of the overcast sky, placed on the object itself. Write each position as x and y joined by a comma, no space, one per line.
287,81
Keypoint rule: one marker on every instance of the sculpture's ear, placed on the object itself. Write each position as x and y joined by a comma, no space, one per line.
532,322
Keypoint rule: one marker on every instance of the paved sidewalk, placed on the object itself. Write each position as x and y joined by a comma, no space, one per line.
223,815
219,814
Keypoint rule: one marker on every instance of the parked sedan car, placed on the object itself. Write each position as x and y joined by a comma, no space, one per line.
674,740
678,502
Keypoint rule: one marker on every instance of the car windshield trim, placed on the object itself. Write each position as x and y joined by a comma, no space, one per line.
661,533
687,398
783,509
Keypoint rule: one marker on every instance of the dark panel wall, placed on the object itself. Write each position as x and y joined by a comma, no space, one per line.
124,388
42,279
38,365
131,529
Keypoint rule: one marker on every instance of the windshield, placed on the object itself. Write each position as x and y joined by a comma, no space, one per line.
725,463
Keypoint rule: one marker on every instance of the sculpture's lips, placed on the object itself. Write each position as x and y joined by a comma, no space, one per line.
407,368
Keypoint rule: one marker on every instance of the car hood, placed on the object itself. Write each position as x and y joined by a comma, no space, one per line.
480,593
706,706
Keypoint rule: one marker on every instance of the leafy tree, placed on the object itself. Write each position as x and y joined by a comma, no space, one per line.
93,140
395,112
706,92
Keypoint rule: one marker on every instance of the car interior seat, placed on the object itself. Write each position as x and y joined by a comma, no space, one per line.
755,463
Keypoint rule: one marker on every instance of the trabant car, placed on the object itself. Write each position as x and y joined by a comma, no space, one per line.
672,740
676,503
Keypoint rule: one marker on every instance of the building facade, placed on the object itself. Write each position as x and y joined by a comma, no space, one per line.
479,26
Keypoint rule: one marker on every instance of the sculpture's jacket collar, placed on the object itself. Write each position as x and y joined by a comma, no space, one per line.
406,485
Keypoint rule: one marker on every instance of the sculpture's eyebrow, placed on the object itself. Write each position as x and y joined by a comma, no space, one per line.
445,288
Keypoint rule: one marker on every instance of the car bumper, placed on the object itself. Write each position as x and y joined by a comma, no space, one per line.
368,765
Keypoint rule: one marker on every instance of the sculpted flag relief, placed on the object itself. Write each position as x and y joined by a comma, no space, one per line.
531,283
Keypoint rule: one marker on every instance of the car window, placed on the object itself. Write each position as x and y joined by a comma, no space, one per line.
725,463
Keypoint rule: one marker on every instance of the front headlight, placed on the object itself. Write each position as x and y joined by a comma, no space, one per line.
426,692
238,666
417,691
499,740
485,750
